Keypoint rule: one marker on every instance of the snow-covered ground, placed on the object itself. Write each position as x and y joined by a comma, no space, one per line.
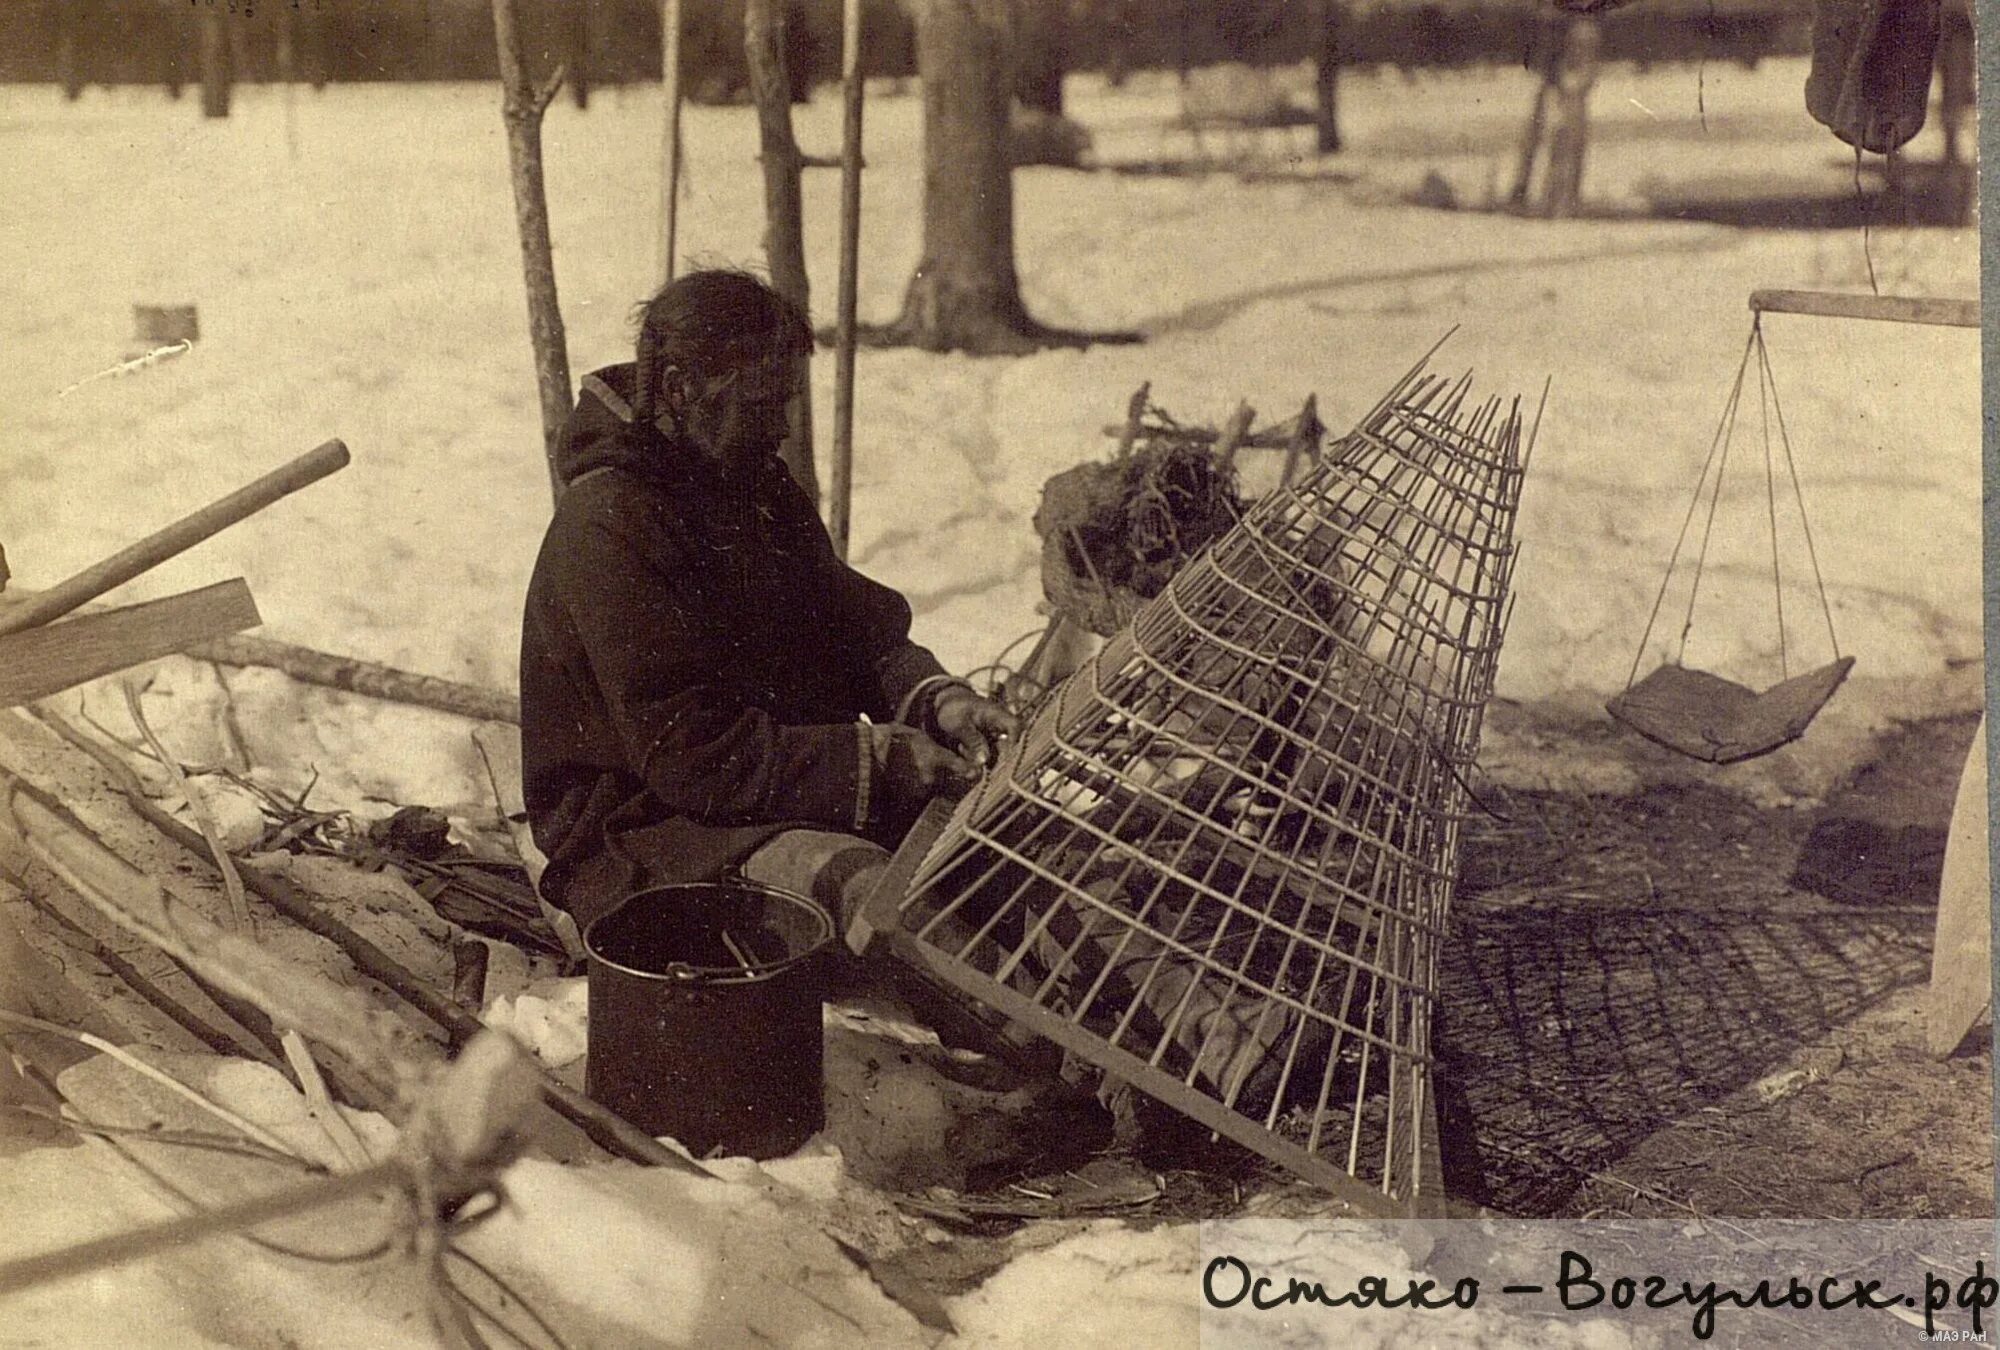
367,286
354,258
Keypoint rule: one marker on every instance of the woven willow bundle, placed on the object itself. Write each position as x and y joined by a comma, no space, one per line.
1218,862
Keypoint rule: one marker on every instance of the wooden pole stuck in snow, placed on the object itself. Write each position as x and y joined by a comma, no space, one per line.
784,224
176,538
839,513
670,177
1886,308
522,106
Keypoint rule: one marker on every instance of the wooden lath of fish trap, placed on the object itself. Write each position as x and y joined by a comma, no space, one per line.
1218,862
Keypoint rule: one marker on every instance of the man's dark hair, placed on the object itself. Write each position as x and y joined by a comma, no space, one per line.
711,322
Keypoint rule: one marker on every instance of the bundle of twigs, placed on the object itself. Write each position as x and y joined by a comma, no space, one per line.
1115,532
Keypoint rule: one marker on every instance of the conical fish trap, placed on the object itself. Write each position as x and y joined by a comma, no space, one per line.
1217,864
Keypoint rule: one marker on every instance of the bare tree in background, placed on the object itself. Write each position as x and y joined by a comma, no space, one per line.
217,75
784,228
578,33
1326,72
1044,55
965,294
1549,179
522,106
71,21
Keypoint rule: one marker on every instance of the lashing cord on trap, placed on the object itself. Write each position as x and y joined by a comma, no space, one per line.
1718,458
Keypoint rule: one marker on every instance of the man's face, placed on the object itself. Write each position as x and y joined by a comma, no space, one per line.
740,418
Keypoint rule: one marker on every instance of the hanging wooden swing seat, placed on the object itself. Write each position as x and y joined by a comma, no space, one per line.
1709,717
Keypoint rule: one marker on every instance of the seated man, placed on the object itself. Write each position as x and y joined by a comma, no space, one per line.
706,689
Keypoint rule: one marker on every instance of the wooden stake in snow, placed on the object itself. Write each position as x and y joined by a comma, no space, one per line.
670,86
839,510
784,227
522,105
1326,77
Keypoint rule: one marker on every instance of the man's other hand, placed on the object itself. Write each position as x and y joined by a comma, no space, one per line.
975,725
911,769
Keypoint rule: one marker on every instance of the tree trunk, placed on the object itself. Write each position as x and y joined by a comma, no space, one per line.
576,24
522,107
288,74
1576,75
839,510
1118,58
287,56
1957,96
1548,43
312,39
1326,83
70,21
965,293
1044,56
784,229
216,75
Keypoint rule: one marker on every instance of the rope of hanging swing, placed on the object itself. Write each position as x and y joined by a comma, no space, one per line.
1770,408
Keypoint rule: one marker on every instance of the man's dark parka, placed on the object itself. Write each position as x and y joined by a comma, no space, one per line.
694,664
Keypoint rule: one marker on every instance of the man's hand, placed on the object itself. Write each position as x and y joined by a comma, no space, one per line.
975,725
911,768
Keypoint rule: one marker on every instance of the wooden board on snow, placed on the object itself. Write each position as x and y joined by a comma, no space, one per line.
1962,956
47,660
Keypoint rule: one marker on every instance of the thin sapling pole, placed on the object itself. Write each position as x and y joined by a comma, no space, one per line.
784,226
839,511
522,106
670,177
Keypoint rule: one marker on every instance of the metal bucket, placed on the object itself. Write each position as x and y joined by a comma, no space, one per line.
705,1016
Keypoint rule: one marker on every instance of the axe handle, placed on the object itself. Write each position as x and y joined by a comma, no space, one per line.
178,537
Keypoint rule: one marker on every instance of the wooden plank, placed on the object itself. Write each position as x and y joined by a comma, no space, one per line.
1886,308
178,537
1962,955
348,674
47,660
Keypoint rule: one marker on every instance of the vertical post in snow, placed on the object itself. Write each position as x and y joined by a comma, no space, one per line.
1326,78
288,73
784,210
839,512
670,176
522,106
